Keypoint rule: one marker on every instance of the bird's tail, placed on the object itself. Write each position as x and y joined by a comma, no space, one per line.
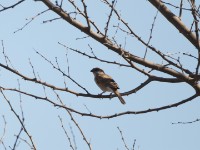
119,96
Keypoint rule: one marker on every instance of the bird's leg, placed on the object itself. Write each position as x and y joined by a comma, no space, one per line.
110,95
101,94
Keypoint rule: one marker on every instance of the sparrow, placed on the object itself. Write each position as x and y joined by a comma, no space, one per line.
106,83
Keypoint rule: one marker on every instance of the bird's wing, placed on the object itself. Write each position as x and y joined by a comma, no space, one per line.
108,81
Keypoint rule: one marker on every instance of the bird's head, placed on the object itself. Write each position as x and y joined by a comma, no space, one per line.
96,71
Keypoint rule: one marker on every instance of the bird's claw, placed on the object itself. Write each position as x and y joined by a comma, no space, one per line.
100,94
110,95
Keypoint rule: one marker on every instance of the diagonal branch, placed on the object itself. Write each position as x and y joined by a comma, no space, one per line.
19,119
122,137
94,56
12,6
173,19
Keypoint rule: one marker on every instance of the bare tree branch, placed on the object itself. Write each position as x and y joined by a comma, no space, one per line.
68,138
108,116
125,145
11,6
20,120
4,130
173,19
119,50
188,122
30,20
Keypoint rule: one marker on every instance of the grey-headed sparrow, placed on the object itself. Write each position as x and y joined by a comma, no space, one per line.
106,83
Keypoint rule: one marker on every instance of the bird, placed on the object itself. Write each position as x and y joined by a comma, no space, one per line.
106,83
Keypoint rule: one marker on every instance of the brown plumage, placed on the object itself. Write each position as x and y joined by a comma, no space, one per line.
106,83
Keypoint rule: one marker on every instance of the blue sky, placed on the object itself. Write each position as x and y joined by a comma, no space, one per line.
151,131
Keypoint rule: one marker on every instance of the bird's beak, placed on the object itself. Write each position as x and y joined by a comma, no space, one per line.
91,70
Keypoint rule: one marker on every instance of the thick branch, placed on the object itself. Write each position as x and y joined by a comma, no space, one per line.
173,19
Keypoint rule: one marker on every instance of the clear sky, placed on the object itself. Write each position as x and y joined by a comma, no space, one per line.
152,131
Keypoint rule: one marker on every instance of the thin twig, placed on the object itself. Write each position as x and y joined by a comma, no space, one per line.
86,14
94,56
175,6
20,120
73,136
83,14
188,122
181,8
4,130
62,72
32,67
5,56
12,6
23,119
151,32
122,137
109,18
65,131
75,122
134,144
31,19
25,141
